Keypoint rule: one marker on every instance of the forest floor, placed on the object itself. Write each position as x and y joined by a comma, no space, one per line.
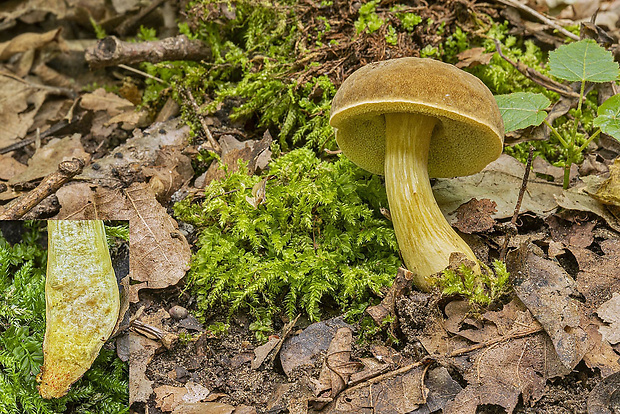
119,129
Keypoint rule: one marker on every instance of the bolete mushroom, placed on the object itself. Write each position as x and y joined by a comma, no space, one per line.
411,119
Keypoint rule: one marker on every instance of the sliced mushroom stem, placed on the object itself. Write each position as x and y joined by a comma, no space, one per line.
425,238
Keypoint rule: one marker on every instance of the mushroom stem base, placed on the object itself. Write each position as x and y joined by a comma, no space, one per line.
425,238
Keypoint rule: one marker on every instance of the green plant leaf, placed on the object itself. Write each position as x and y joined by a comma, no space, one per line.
583,61
522,109
608,118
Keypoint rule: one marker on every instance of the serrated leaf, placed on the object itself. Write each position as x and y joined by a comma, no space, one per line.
608,118
522,109
583,61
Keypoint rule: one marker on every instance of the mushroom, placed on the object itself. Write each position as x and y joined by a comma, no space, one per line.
411,119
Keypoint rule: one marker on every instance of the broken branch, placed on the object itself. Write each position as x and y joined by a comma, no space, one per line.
50,184
113,51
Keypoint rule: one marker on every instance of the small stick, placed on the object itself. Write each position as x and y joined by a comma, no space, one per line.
50,184
513,221
540,17
214,144
112,51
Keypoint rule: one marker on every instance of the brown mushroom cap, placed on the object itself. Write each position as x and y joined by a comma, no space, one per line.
467,137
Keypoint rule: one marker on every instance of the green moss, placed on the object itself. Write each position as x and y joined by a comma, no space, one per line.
317,240
480,290
103,389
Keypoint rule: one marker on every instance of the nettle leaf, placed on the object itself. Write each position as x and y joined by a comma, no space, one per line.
522,109
583,61
608,118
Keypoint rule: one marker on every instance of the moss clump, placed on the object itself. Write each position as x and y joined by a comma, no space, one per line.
103,389
318,238
480,290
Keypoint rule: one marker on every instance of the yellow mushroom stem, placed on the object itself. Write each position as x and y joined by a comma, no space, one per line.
425,238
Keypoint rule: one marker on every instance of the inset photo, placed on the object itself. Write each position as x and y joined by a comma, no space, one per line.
61,305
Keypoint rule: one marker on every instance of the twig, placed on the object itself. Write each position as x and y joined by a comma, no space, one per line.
539,16
214,144
140,72
493,341
536,76
50,184
513,221
113,51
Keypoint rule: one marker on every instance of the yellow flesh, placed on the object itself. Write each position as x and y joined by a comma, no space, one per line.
82,302
425,238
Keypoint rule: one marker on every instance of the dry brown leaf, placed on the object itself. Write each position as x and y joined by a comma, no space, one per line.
547,291
577,233
304,349
255,153
27,41
401,283
500,373
32,11
46,159
140,151
159,252
604,396
168,398
473,57
598,275
77,201
101,100
337,368
19,104
580,198
401,393
475,216
262,352
499,182
609,312
142,351
10,167
203,408
609,191
600,354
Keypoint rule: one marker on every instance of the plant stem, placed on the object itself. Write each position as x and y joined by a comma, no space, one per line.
557,134
425,238
585,144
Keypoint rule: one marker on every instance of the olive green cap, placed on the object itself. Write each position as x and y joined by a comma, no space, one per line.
469,133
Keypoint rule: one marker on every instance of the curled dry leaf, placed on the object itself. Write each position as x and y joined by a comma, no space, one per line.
337,368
